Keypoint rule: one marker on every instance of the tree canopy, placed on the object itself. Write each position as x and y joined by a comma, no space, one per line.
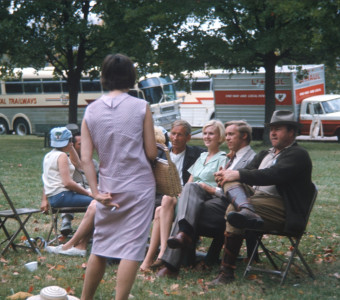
241,35
170,36
72,36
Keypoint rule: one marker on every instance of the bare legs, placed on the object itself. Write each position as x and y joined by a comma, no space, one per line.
94,273
154,242
84,231
126,275
164,216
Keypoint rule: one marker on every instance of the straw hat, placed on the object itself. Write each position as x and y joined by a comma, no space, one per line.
53,293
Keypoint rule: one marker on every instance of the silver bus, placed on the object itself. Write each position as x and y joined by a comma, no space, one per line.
38,101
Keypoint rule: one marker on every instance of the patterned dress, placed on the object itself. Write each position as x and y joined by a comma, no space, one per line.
116,129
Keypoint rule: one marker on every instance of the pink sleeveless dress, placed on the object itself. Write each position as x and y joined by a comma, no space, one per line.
116,128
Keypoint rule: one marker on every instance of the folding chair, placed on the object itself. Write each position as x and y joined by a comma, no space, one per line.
274,257
16,214
54,212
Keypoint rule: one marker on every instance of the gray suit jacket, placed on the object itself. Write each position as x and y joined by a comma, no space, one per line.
211,219
246,158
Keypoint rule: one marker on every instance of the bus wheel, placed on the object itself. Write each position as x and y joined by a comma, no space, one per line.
21,127
3,127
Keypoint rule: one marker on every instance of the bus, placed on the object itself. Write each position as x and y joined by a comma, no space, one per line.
198,104
38,101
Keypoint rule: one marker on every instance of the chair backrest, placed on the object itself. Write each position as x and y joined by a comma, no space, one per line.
9,201
315,194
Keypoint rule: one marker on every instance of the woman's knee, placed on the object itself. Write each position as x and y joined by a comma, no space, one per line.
91,210
157,213
92,205
168,202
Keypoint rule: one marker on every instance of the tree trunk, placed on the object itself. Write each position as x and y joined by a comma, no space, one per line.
73,88
269,65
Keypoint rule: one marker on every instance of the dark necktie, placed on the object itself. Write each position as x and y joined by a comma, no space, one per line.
232,157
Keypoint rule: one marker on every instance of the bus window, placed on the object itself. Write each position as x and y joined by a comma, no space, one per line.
170,92
14,87
153,95
65,87
32,86
52,86
91,86
200,86
136,93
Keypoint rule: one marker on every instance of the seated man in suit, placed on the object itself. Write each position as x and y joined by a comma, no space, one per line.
204,208
280,195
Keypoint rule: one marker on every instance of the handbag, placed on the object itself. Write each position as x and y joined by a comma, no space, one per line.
166,174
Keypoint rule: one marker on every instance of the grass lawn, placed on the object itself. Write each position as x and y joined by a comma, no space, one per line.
20,172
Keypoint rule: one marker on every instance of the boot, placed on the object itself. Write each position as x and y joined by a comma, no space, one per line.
245,217
232,246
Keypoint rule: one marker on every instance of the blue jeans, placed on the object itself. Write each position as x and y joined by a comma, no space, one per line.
69,199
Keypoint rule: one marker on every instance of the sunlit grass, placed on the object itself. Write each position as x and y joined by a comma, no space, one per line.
20,172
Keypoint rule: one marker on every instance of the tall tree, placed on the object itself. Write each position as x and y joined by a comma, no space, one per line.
236,34
71,36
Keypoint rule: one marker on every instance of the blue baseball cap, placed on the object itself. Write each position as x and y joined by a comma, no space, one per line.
60,137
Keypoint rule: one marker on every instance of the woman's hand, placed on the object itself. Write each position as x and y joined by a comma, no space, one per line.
208,188
105,199
44,207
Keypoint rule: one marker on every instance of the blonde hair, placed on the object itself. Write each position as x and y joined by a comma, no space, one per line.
159,135
219,126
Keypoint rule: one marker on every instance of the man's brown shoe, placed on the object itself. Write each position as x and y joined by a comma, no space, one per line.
226,276
181,240
166,272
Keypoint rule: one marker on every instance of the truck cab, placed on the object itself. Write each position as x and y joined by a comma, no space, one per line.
325,108
161,94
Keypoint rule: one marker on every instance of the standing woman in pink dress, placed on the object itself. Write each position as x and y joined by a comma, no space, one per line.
120,128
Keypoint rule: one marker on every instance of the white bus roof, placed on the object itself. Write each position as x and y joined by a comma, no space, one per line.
31,73
278,69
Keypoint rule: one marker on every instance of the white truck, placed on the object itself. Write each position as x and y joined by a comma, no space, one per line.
240,96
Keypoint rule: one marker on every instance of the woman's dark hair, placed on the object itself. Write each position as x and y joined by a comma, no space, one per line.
118,72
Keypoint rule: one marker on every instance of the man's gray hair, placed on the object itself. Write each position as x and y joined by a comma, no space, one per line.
183,123
243,128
